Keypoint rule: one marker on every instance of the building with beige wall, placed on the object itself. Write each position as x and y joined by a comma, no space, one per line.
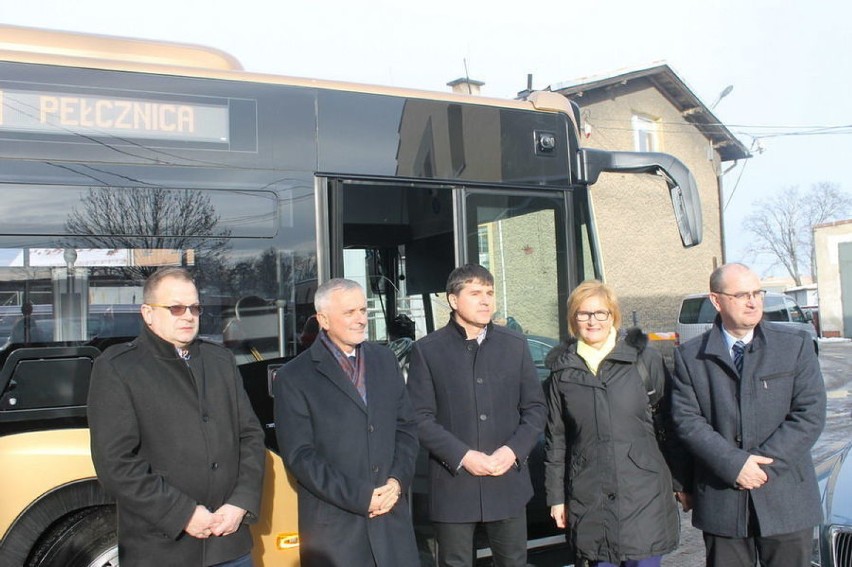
833,245
652,109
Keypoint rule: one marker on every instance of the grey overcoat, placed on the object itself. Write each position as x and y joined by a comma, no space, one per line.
776,409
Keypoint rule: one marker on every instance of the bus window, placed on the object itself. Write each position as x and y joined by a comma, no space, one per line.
99,213
93,295
521,240
398,243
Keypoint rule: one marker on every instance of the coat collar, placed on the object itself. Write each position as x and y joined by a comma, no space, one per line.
327,366
461,331
163,348
627,349
715,344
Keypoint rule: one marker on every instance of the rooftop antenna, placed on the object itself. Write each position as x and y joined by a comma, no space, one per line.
467,76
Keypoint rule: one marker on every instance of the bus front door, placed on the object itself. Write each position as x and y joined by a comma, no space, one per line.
401,241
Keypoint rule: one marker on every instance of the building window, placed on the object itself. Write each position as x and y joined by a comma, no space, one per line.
484,247
645,135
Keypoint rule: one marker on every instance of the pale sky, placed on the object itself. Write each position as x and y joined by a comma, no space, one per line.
789,62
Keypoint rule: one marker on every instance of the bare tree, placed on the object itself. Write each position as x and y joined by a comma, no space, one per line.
150,218
782,226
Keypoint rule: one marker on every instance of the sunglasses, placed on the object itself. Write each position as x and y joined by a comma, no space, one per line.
178,310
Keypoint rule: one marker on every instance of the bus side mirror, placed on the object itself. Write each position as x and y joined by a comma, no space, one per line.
683,189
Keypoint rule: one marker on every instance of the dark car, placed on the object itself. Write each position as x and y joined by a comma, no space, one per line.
833,537
539,347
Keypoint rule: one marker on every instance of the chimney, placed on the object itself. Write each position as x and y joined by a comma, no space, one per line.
465,85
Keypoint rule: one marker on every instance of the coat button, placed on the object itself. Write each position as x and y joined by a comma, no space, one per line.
482,417
205,418
215,466
611,496
480,380
739,439
370,428
375,468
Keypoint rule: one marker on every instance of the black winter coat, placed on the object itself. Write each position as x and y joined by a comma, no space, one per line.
167,436
603,459
468,396
340,449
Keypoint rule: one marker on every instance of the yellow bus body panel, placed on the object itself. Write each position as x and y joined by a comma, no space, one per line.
278,516
36,463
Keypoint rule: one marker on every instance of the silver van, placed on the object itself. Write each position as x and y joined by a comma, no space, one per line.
697,315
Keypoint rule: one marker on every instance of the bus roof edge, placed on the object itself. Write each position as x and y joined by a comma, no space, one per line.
42,42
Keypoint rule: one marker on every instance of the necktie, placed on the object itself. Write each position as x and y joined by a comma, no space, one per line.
739,351
357,378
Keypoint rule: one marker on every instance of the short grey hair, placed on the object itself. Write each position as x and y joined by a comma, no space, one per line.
718,275
324,291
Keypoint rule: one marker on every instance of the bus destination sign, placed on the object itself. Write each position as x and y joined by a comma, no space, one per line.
72,114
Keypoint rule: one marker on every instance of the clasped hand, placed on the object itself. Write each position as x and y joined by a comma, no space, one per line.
495,464
224,521
385,498
751,475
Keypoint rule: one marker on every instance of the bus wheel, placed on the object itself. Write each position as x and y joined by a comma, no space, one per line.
85,538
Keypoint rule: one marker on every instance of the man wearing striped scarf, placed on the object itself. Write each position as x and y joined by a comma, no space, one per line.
346,432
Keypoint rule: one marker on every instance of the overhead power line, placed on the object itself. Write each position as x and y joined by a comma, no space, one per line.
752,131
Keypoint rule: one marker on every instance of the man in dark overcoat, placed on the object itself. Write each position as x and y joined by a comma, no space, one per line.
749,404
346,432
480,412
175,439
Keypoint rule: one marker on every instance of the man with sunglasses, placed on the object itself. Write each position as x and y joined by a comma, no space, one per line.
748,402
174,438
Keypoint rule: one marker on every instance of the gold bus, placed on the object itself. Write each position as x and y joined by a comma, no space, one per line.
118,156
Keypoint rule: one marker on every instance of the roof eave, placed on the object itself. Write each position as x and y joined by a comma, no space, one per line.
670,85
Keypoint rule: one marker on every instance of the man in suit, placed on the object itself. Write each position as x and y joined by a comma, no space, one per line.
346,432
480,411
175,439
748,401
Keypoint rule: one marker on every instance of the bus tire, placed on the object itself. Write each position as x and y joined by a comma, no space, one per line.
84,538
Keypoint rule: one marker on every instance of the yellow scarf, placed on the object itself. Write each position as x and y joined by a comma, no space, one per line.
594,356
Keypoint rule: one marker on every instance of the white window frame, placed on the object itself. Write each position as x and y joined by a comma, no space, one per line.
646,136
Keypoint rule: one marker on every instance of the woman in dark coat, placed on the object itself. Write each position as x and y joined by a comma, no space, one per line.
606,478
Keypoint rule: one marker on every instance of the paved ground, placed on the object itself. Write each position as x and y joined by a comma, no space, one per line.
690,553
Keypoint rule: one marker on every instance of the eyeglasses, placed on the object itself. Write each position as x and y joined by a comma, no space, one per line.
583,316
744,296
178,310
